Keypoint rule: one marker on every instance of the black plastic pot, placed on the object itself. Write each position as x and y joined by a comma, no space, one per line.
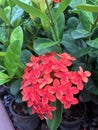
25,122
94,108
73,125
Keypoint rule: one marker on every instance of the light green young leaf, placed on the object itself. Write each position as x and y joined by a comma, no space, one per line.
87,20
17,34
3,78
2,2
88,7
33,11
3,16
7,11
2,53
63,5
12,57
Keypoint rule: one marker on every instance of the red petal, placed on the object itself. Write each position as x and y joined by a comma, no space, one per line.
67,105
75,101
69,97
75,90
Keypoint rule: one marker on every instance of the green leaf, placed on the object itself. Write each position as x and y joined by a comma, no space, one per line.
87,20
72,23
17,34
2,53
3,16
3,35
93,43
2,2
57,117
91,87
63,5
33,11
80,33
82,52
69,43
12,57
18,98
75,3
15,87
43,43
88,7
3,78
17,12
60,27
7,11
25,56
48,50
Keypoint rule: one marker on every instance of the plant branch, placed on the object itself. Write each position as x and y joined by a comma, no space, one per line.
53,25
94,25
52,22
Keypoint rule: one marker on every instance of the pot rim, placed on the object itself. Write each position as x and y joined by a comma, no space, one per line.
22,116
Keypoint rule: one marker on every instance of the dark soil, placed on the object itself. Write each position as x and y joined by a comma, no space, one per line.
90,121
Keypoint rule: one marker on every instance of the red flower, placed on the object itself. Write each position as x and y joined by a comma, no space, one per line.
84,74
47,78
67,104
56,89
56,1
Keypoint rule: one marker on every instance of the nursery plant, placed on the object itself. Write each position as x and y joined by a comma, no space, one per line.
61,39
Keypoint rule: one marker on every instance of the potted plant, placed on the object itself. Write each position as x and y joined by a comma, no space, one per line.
51,36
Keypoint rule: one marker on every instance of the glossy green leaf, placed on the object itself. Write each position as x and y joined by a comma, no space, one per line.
63,5
18,98
3,16
3,78
88,7
93,43
2,53
57,117
17,13
80,33
25,56
75,3
69,43
3,37
15,87
87,20
17,34
33,11
81,52
72,23
11,3
60,27
42,43
2,2
12,57
48,50
7,11
91,87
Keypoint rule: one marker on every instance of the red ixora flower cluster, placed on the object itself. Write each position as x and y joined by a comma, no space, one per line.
47,79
